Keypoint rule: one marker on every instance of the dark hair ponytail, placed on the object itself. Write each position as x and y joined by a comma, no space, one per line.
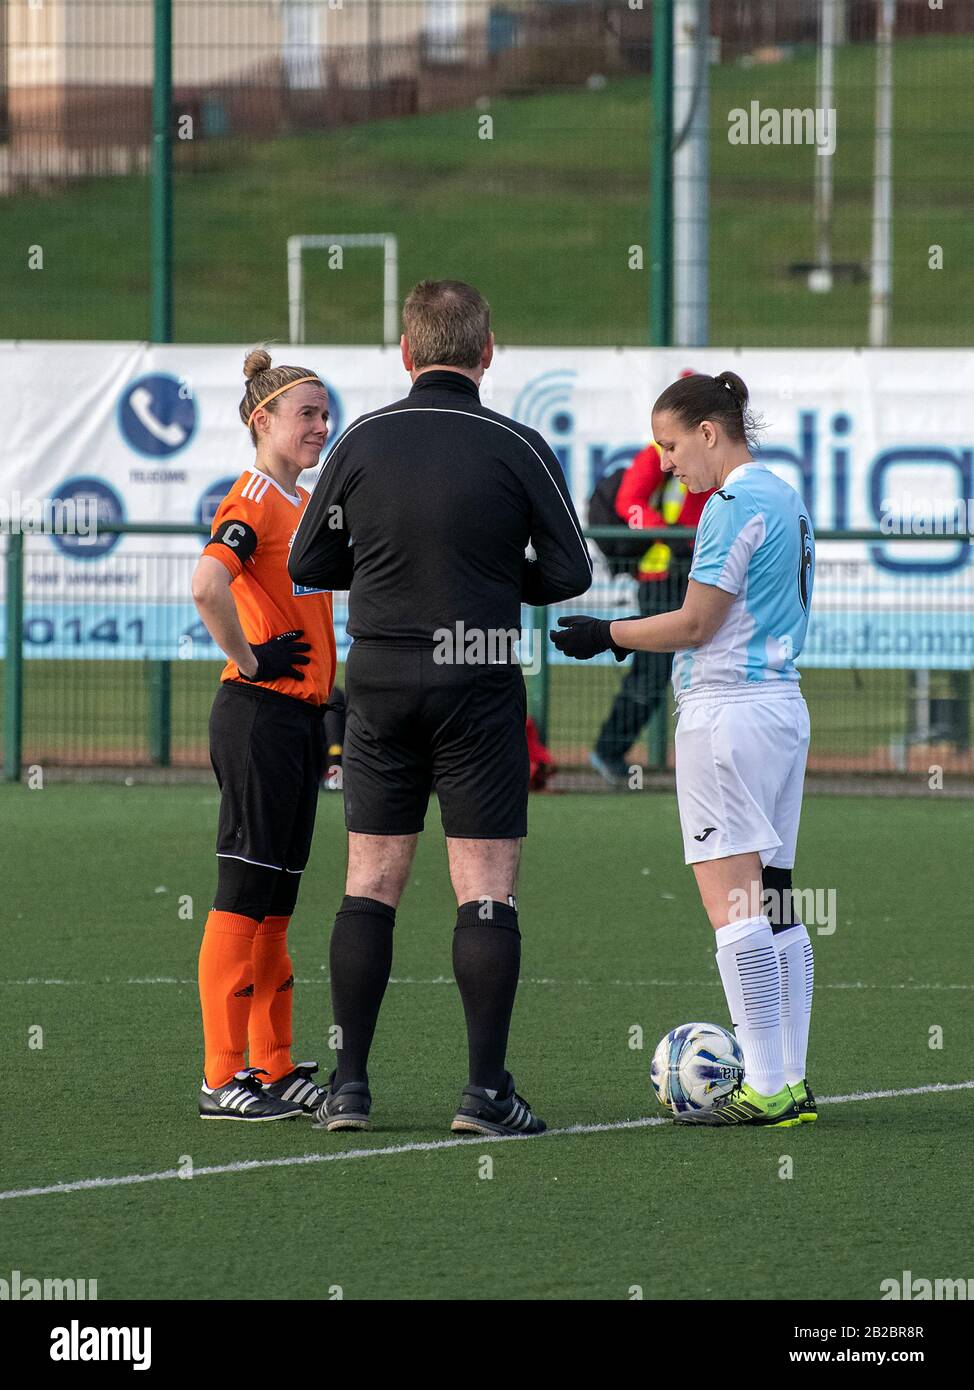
722,398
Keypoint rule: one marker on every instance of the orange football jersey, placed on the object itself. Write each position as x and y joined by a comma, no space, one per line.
251,535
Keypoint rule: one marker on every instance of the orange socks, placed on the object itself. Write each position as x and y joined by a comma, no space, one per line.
270,1013
226,977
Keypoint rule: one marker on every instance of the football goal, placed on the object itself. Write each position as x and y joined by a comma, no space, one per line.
384,241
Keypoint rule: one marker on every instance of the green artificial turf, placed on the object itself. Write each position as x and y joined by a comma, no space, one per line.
614,940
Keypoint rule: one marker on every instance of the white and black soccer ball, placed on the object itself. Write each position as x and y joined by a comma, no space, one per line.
694,1066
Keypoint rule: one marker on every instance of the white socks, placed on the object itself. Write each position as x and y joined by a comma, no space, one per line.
748,965
794,952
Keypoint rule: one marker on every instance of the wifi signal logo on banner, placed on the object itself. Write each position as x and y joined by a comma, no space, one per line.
545,403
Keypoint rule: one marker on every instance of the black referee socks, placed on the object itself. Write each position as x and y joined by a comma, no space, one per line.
486,964
360,962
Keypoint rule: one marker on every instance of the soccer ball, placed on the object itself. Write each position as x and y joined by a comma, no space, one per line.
694,1066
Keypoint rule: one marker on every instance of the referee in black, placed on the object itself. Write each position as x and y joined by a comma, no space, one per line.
425,510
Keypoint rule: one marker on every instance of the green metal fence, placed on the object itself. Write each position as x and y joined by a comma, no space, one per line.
512,143
894,696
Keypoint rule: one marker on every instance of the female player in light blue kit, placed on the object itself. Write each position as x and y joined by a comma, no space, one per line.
742,735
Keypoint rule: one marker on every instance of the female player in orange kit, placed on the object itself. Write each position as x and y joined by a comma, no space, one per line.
266,747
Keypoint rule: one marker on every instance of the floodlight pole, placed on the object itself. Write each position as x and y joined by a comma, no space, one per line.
160,326
661,180
691,173
820,279
881,276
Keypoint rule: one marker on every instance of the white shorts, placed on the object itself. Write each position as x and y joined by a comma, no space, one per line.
740,770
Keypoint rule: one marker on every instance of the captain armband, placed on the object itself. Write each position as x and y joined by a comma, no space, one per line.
236,536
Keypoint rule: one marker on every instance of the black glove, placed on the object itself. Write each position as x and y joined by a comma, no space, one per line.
279,657
585,637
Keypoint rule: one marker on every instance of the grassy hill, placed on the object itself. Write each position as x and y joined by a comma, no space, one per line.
540,217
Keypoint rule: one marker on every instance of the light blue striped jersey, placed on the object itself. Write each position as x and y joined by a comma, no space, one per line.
755,541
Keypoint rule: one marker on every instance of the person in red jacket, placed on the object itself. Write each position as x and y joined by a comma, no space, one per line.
648,497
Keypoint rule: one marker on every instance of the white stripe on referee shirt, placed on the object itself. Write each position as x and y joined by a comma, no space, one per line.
468,415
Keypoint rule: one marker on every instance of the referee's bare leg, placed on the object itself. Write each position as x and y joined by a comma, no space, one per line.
486,950
486,946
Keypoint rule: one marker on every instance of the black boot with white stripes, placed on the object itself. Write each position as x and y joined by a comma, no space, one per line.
298,1087
507,1113
244,1098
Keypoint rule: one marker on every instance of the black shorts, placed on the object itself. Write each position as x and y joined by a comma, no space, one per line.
267,753
414,725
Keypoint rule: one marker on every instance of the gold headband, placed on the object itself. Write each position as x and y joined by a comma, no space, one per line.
287,387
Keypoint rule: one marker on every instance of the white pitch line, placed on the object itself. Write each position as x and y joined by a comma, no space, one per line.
392,1150
932,1089
527,980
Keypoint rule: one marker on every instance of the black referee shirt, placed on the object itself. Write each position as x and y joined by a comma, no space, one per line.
424,510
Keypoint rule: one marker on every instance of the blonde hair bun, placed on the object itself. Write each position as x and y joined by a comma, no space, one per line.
255,362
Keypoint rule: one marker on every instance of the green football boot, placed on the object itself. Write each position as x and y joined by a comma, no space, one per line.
805,1101
745,1106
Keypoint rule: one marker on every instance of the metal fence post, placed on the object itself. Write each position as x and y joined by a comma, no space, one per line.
161,176
160,711
959,683
13,666
657,735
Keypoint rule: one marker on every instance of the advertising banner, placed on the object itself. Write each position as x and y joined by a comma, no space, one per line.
142,433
